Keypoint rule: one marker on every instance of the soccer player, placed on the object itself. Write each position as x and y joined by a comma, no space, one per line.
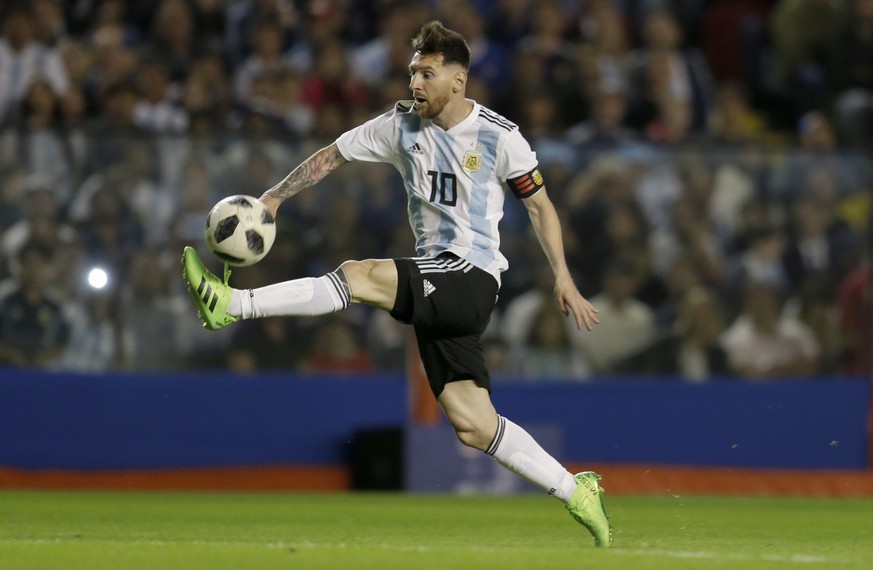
454,156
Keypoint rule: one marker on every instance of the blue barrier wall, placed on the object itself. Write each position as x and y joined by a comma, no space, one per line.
783,424
114,422
213,420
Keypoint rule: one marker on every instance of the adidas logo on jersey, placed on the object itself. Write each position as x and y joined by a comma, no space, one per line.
415,149
428,288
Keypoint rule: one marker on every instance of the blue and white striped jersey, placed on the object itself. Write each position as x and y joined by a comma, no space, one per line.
454,179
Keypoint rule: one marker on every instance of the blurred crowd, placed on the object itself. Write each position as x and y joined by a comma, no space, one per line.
711,161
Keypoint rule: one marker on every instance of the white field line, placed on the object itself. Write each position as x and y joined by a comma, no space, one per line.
737,556
654,552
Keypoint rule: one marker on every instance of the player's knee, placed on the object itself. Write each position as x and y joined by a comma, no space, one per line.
370,281
359,274
472,436
355,272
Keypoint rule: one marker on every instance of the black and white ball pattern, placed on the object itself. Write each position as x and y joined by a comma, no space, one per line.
240,230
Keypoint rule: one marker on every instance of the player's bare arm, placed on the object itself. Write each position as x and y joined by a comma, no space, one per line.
547,227
310,172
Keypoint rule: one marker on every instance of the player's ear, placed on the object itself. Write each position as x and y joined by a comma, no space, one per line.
459,80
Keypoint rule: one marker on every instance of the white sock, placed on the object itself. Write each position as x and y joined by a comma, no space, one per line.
305,297
516,450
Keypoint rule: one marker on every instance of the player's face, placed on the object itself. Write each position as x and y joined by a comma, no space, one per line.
431,84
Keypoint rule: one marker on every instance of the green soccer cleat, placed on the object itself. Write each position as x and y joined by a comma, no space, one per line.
586,506
211,294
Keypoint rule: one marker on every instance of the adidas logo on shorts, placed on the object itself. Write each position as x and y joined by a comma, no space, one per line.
428,288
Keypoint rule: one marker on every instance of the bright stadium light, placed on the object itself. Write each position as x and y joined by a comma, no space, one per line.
98,278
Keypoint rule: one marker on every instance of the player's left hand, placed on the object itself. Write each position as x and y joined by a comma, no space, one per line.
570,300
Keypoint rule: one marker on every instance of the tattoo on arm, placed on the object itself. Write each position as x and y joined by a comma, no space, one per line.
309,173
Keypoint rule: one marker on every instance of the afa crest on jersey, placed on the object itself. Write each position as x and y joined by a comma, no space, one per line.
472,161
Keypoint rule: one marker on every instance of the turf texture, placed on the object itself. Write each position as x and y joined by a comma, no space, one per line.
168,531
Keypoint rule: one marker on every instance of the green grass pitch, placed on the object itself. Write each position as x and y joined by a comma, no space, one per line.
168,531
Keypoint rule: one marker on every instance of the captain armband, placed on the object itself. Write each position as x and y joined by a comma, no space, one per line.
527,184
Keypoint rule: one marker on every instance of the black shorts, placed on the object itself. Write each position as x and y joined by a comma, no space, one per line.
449,303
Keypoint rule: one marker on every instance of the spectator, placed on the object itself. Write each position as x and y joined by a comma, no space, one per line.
136,178
510,22
668,77
517,324
526,75
602,208
761,262
851,76
733,121
259,345
763,343
153,334
33,328
605,130
241,18
604,60
48,22
801,32
548,352
672,125
627,326
263,345
815,306
13,189
337,348
542,121
174,38
113,127
387,342
698,353
111,233
72,130
42,224
331,80
23,60
113,64
818,244
738,175
691,235
387,54
156,109
755,215
195,197
855,309
818,166
728,31
42,146
94,345
490,60
208,91
266,57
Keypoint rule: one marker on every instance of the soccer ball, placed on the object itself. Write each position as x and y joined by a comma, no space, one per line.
240,230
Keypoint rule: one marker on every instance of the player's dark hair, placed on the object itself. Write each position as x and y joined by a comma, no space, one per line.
434,38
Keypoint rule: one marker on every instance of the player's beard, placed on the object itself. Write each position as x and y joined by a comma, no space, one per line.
433,107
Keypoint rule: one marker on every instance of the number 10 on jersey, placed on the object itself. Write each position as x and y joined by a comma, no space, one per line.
445,184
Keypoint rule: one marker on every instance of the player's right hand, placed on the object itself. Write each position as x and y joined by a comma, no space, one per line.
271,203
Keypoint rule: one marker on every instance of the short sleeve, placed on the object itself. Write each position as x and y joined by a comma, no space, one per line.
517,157
520,168
374,141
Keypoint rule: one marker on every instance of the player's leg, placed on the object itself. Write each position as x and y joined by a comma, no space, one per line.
219,304
469,410
476,423
372,281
